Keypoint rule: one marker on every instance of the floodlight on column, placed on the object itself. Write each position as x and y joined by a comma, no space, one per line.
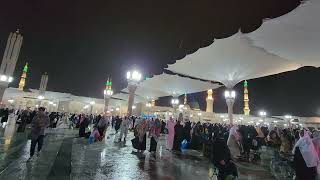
175,101
230,96
148,104
92,102
288,116
108,92
134,76
40,97
11,101
263,113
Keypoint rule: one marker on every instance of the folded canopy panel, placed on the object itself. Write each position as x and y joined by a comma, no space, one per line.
231,61
125,96
176,85
294,36
147,92
117,102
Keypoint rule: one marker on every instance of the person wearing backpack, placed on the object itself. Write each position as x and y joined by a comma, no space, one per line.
39,123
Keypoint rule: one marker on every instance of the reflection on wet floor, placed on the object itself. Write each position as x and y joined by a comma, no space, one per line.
66,157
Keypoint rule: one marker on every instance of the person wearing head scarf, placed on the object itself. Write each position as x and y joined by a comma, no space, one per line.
139,142
187,129
221,157
155,129
118,124
170,135
305,157
124,128
316,142
234,142
285,141
178,136
102,124
196,137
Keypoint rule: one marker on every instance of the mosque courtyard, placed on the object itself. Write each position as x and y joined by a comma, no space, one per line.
64,156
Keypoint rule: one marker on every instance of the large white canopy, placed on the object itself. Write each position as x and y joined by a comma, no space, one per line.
294,36
231,61
147,92
167,84
125,96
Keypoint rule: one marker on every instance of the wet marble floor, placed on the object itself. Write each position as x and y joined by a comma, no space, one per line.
66,157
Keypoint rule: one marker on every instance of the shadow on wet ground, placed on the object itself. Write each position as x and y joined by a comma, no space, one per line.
66,157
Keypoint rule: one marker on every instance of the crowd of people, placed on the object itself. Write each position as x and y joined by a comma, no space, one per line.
223,144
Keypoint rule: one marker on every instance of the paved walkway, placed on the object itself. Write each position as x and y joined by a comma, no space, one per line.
66,157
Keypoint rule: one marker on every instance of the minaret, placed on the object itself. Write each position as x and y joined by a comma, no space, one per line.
43,83
9,60
23,77
11,53
107,94
185,101
209,101
246,108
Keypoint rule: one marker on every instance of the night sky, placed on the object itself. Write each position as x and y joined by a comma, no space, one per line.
80,43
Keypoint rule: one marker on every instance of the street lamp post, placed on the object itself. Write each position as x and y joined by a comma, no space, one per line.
175,104
91,106
230,96
133,78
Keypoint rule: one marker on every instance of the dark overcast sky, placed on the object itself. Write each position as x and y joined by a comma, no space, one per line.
80,42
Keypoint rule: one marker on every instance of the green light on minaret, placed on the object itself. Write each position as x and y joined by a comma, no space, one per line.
25,68
245,83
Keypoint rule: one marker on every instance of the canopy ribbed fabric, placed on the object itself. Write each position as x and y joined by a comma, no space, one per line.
125,96
232,60
167,84
294,36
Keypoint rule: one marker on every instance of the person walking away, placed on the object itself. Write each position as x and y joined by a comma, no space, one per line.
95,133
305,157
187,129
139,142
5,116
285,142
102,125
221,157
178,136
170,135
234,142
316,143
39,123
154,134
118,124
25,116
82,126
124,128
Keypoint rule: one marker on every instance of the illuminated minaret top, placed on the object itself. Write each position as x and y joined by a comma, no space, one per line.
109,84
246,109
23,77
209,101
